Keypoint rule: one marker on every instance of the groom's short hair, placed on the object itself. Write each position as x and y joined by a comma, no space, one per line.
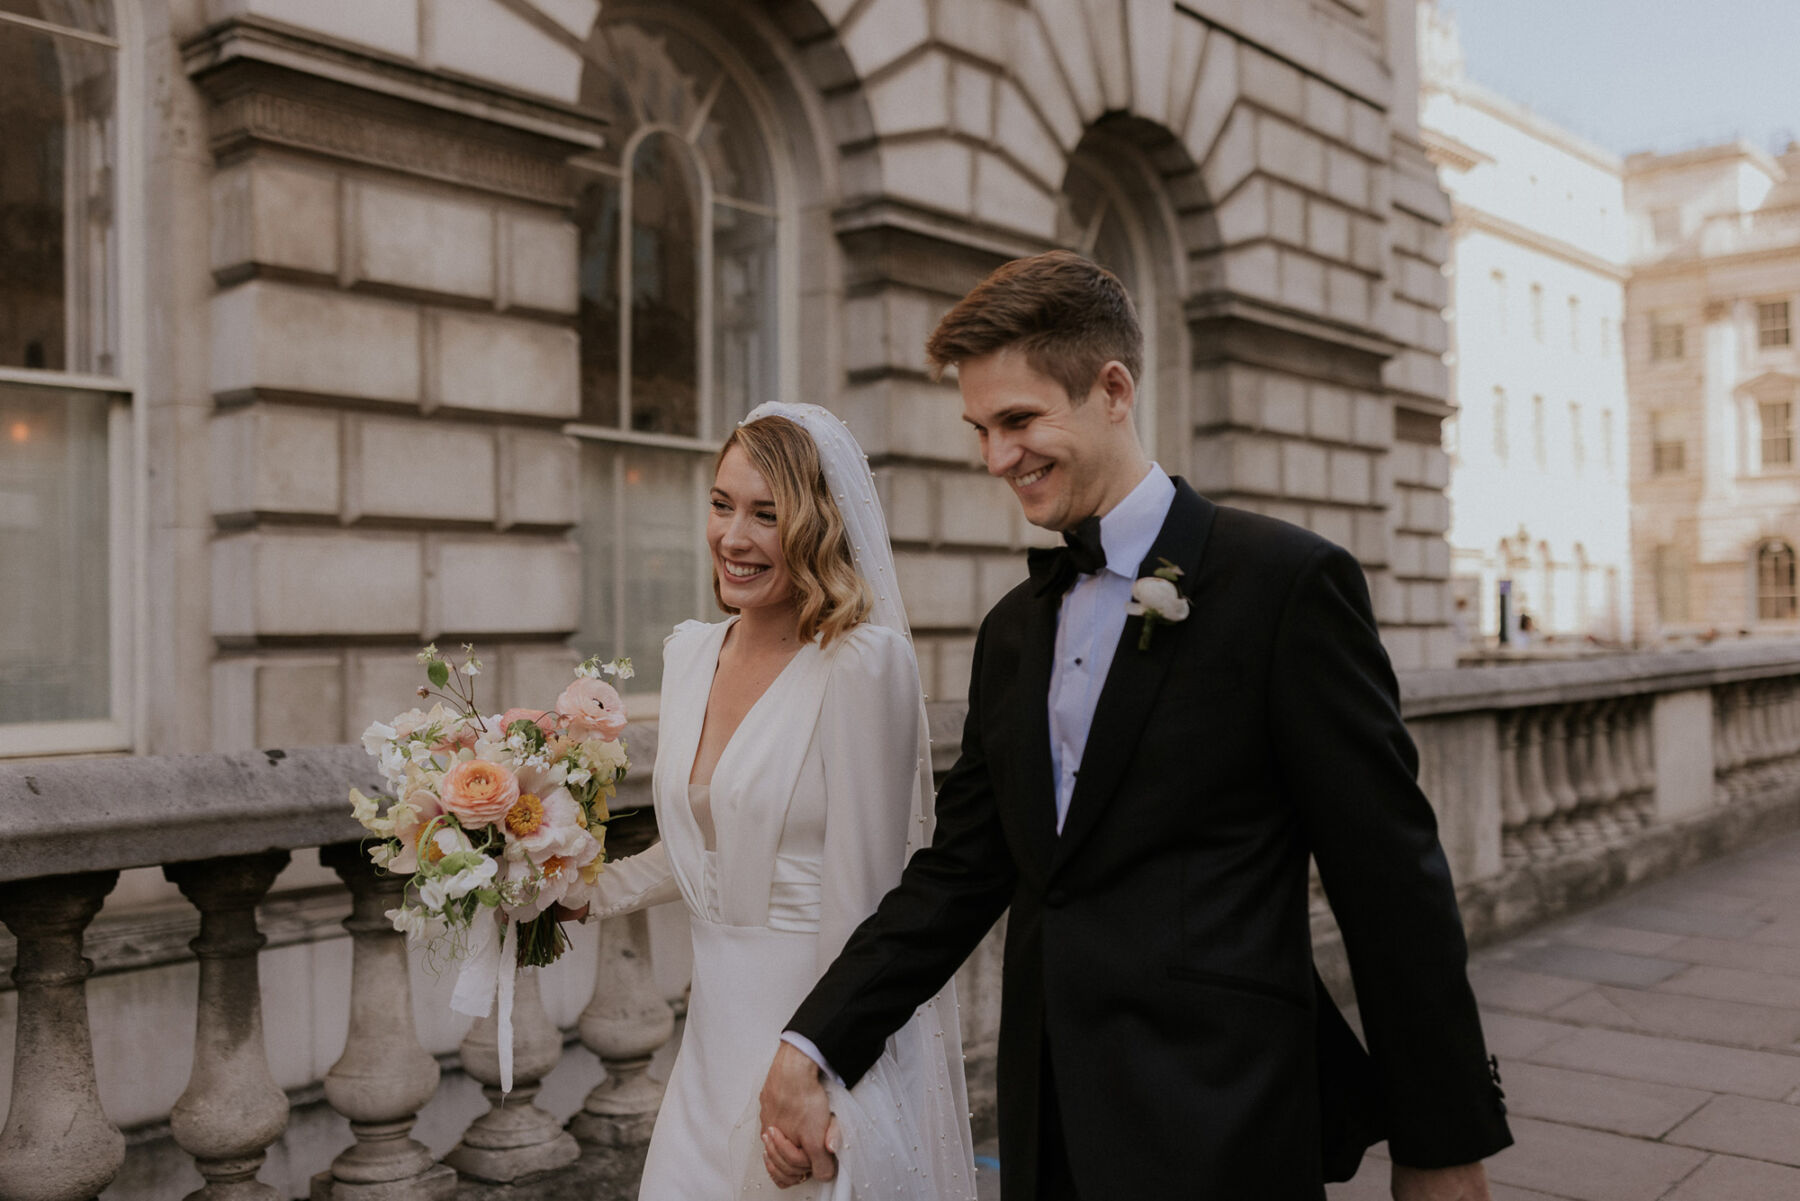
1070,316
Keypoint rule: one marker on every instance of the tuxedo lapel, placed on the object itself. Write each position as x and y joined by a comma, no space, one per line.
1132,683
1032,750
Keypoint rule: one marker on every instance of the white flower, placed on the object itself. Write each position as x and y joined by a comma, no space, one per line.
377,736
1154,595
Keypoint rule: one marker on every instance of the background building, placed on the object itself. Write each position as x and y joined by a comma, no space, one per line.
1715,244
1539,478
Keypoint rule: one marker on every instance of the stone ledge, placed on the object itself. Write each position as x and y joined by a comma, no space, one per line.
1466,689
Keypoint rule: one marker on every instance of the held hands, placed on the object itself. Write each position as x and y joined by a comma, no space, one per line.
1465,1182
799,1134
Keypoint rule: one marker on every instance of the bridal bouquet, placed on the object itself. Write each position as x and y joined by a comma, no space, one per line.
494,819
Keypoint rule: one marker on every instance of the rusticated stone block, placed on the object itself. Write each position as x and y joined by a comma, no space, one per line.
505,365
423,469
540,264
308,582
422,240
974,509
275,459
939,589
540,479
267,211
504,585
280,702
282,337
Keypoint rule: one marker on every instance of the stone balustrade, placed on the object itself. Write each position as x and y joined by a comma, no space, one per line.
1554,783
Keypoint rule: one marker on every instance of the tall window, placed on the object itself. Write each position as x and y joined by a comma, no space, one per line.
1501,448
1777,433
64,404
1667,337
1606,439
1668,453
680,295
1606,328
1577,443
1537,312
1499,279
1665,225
1773,328
1540,452
1098,220
1671,584
1775,591
1575,324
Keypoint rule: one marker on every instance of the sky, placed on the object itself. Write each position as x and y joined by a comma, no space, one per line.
1636,75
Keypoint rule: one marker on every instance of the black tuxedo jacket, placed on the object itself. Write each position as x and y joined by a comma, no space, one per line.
1158,949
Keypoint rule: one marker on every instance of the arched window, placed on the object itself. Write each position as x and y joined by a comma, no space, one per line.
680,220
64,402
1097,219
1775,591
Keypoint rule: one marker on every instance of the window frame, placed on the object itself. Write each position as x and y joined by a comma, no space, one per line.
1784,440
1770,335
1668,455
1786,596
122,730
702,447
1668,339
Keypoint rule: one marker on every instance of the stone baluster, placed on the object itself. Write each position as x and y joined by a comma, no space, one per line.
1513,813
514,1139
1723,748
1603,768
1642,753
1538,800
624,1024
384,1076
1570,828
58,1144
232,1109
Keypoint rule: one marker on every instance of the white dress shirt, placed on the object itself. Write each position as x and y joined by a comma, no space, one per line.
1090,622
1088,627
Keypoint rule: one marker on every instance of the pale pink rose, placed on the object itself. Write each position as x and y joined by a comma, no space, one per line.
411,814
542,718
479,793
592,707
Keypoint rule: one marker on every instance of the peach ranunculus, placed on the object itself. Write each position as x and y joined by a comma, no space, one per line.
592,707
543,719
479,793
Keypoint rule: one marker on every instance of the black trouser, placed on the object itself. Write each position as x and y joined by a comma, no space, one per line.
1055,1182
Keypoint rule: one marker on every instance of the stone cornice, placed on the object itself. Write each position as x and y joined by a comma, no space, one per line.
280,87
1466,218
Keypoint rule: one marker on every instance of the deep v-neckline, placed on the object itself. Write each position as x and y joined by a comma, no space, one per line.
706,708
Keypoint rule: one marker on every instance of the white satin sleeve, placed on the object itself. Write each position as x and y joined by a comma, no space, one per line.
869,739
635,882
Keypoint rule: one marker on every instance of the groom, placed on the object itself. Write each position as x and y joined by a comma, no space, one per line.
1144,790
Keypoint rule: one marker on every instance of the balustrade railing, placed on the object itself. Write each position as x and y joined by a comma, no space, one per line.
1530,767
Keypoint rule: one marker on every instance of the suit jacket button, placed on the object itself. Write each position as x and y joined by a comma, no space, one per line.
1056,898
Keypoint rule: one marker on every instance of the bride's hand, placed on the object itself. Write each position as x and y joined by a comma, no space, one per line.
786,1163
795,1106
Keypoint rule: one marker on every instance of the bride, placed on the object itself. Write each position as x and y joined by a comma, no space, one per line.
792,782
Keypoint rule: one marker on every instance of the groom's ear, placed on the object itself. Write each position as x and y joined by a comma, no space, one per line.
1115,389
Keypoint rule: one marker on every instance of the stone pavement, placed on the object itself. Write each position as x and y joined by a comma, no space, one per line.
1650,1047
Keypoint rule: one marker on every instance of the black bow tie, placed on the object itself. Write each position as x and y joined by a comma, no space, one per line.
1081,554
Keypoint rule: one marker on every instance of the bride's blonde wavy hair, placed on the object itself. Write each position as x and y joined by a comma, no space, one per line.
830,594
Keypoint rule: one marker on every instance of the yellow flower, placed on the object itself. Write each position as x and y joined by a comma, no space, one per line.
590,871
525,817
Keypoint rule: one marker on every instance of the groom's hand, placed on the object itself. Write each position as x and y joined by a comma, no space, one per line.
794,1103
1465,1182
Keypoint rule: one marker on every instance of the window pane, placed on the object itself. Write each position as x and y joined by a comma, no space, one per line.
54,652
56,202
665,290
597,217
744,307
641,552
732,145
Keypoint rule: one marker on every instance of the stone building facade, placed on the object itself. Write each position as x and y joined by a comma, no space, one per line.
414,320
1539,482
332,327
1715,380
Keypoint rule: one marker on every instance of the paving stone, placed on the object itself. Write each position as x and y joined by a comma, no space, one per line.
1513,1037
1765,1074
1744,1126
1634,1107
1700,1018
1782,933
1603,936
1508,988
1693,896
1589,1165
1734,984
1750,956
1724,1178
1600,966
1677,921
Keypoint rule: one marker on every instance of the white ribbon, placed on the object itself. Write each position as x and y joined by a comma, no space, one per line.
486,973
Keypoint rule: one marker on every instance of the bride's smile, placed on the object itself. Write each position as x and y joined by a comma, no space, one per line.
745,541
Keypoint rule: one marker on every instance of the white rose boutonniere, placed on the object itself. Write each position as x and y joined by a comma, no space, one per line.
1156,598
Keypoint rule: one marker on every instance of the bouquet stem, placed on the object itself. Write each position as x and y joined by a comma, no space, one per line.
541,940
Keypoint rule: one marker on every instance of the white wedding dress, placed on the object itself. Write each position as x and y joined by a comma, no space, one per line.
816,802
